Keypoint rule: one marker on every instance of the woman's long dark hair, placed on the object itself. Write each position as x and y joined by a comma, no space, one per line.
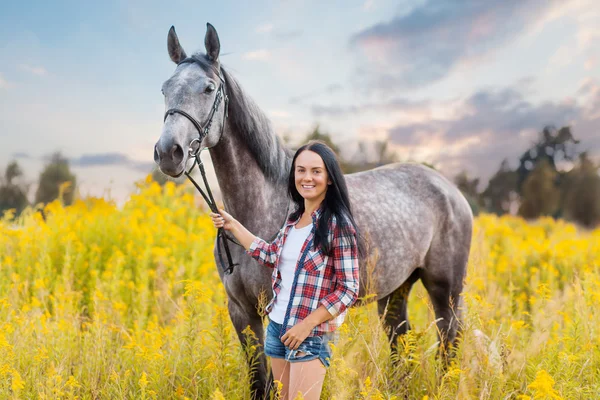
336,202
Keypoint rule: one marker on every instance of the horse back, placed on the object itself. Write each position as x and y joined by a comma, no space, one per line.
400,209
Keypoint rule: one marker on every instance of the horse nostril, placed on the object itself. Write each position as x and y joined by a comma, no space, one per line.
156,155
176,154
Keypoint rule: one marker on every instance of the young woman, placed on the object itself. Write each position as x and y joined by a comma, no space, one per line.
315,270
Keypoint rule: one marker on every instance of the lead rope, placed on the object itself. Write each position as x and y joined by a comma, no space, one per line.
221,234
208,197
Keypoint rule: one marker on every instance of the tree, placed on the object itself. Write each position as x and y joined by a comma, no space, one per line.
55,174
541,195
384,155
13,194
468,187
553,146
582,193
317,134
501,191
363,160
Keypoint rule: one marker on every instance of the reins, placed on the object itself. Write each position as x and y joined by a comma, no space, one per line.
203,131
208,197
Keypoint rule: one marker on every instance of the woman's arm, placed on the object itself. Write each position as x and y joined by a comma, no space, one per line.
345,264
263,252
226,221
297,333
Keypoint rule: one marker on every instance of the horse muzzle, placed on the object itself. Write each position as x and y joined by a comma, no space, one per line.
170,158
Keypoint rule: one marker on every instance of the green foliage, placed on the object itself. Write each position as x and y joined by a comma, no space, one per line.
540,192
501,190
55,175
13,195
536,187
317,134
468,187
362,159
552,147
582,193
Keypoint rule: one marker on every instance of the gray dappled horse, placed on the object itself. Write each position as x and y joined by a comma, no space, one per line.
417,222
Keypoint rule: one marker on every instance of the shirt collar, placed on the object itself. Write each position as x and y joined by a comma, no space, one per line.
315,216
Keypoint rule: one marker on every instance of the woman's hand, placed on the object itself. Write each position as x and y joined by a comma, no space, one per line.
222,220
296,335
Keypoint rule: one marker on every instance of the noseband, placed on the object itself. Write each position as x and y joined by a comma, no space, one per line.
202,133
204,129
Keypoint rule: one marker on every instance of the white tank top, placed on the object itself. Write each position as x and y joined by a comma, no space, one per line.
290,255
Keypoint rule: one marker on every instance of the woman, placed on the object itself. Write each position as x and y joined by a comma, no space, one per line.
315,270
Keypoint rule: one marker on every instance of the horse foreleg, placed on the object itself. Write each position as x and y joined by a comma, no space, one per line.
260,379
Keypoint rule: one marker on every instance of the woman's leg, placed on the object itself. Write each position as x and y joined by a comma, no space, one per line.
306,377
281,373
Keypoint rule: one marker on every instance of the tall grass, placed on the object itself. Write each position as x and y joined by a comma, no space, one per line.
98,302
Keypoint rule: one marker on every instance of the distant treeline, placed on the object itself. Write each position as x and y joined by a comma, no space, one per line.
56,180
553,178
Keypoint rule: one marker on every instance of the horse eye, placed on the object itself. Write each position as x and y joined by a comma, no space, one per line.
210,88
162,91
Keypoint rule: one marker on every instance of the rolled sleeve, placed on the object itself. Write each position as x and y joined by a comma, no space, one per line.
263,252
345,263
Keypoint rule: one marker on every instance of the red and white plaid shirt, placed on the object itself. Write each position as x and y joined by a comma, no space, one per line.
330,279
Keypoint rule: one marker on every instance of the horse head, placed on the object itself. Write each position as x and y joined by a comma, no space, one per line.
194,94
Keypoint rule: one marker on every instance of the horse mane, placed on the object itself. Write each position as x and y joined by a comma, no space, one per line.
251,125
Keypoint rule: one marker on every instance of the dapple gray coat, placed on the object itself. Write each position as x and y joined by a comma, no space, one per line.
417,223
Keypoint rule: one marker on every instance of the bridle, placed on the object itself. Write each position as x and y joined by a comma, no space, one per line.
203,130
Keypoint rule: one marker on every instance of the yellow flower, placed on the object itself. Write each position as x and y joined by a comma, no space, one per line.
217,395
17,383
72,382
143,381
542,386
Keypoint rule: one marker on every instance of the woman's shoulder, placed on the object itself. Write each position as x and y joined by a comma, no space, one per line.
342,223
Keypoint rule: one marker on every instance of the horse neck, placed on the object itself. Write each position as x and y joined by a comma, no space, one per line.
254,199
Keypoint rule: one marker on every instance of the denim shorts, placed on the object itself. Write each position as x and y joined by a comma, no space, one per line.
312,348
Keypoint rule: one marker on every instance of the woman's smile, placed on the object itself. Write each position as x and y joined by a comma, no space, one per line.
311,176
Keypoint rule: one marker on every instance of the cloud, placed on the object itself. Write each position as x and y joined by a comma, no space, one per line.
493,124
277,33
425,44
111,159
257,55
21,155
4,83
396,104
329,89
35,70
264,28
279,114
287,34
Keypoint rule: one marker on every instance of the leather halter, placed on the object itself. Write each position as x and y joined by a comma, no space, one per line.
203,130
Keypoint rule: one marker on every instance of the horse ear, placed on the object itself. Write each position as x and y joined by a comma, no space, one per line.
175,50
211,42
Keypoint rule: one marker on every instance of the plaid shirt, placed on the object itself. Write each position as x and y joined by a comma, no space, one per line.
330,279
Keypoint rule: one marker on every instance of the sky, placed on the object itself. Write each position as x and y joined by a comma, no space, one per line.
460,84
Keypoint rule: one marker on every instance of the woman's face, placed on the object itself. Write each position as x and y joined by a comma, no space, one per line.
311,176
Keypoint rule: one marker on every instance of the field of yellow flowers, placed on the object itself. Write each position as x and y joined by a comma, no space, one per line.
102,302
